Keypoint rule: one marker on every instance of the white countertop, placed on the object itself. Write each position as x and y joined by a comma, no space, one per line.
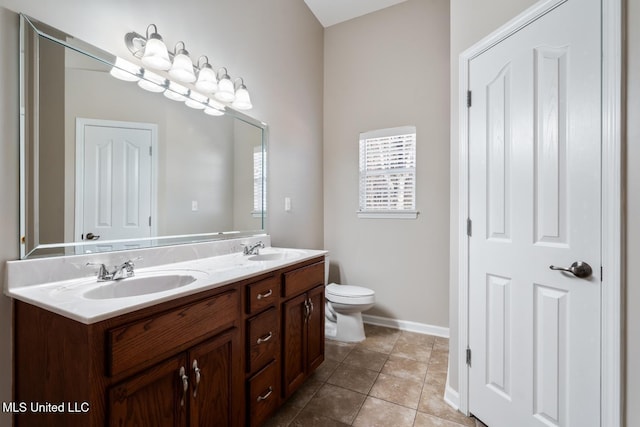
67,297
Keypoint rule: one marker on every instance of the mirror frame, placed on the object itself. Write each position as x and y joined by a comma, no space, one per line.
77,248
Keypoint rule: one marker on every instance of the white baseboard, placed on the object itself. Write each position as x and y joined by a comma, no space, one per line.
451,396
406,325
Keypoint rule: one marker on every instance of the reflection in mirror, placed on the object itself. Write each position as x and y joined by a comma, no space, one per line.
109,166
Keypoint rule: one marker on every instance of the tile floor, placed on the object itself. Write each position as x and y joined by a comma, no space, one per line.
392,379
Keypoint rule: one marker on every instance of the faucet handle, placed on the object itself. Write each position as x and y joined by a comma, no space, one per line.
103,273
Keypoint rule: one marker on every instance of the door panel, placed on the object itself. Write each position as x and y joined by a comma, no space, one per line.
294,342
534,199
214,381
154,397
116,182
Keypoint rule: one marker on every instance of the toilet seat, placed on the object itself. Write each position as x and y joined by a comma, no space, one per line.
349,294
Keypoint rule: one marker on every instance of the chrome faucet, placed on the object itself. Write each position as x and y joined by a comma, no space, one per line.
252,249
119,272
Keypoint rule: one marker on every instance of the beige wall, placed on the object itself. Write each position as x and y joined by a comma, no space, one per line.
277,46
389,69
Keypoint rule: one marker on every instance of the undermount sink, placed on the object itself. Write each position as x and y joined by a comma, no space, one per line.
275,254
149,283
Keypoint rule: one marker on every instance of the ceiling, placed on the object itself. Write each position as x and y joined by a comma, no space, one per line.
331,12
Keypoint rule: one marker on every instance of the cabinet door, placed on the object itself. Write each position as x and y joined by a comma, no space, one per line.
294,325
155,397
315,328
216,381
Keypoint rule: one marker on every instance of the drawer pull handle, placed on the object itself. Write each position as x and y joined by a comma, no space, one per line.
196,370
265,295
185,384
265,396
264,338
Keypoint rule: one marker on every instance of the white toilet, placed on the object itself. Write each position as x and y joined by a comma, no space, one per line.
343,311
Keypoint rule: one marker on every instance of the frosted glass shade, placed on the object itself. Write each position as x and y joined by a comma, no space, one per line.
182,68
242,101
207,81
225,91
155,54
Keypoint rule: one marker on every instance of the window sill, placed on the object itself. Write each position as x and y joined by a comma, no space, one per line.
388,214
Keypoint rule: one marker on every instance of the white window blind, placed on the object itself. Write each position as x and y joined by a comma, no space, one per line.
388,173
259,189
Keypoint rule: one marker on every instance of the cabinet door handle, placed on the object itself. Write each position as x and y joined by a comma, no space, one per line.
266,395
264,338
265,295
310,306
196,370
185,384
306,311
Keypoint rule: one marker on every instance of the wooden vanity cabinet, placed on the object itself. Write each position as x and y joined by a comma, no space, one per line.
240,350
303,325
262,336
131,369
194,389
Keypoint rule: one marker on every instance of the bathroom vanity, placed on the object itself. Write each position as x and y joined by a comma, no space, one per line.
219,352
202,334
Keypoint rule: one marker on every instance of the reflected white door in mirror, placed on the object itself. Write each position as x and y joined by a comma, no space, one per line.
115,181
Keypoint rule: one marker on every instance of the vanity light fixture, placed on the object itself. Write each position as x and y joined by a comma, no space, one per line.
182,67
178,67
242,100
125,70
207,81
176,92
196,100
226,92
155,53
152,82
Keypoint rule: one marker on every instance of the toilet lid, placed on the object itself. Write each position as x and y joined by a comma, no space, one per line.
348,291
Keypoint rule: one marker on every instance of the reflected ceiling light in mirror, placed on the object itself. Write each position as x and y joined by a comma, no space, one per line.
214,108
152,82
155,51
176,92
207,81
182,67
226,92
242,100
196,100
125,70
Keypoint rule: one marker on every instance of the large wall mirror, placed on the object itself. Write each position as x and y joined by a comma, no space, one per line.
108,166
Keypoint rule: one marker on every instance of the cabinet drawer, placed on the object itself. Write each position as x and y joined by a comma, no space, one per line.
262,294
145,341
303,279
263,339
263,394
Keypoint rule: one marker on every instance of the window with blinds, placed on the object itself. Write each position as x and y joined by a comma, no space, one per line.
259,189
388,173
